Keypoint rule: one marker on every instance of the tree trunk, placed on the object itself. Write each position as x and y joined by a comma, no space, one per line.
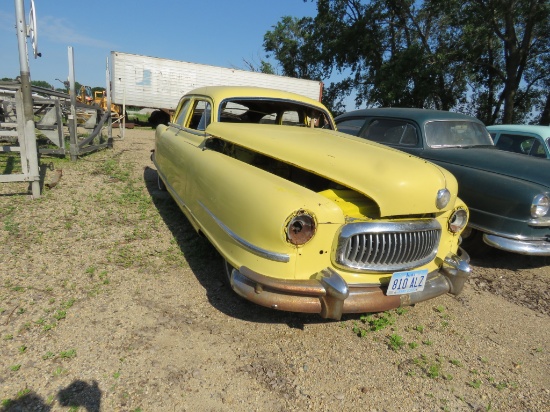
545,115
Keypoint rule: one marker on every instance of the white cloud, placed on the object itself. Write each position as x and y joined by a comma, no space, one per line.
59,30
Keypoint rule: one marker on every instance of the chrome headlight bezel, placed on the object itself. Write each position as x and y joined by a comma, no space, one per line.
300,228
443,198
458,220
540,205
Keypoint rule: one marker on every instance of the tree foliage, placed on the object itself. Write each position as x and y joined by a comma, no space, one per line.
42,83
485,57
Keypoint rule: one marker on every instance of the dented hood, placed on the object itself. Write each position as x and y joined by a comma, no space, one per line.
399,183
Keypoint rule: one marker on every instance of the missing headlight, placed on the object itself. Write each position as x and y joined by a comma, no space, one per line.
300,228
458,220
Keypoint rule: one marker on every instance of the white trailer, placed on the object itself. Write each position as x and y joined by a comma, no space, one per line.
153,82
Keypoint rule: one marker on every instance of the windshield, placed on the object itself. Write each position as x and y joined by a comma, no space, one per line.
273,111
456,133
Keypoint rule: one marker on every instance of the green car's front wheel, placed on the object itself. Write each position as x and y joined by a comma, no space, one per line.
472,242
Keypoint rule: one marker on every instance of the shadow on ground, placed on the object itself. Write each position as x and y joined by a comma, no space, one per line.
78,394
207,265
499,259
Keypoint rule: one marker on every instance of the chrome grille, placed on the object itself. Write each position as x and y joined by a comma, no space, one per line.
387,246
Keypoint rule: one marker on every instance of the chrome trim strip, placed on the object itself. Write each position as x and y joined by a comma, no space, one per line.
277,257
518,238
535,248
539,222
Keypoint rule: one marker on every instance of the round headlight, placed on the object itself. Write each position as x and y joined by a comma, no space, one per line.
442,199
540,205
300,228
458,220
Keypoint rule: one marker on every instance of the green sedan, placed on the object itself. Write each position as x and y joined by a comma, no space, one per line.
508,194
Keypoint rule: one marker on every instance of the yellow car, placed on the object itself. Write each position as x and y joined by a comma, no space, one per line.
309,219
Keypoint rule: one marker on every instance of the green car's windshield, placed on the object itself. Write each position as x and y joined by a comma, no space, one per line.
456,133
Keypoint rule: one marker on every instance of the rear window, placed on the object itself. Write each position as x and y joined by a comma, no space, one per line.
351,126
456,133
392,131
273,111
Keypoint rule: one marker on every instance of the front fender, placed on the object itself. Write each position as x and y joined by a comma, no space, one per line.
235,203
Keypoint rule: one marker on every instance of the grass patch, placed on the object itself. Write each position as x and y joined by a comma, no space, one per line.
372,322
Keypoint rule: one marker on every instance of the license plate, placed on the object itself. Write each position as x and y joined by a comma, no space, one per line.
407,282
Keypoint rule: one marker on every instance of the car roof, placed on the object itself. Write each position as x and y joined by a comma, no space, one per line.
418,115
219,93
544,131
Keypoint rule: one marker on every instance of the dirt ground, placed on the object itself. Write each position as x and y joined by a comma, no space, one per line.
109,301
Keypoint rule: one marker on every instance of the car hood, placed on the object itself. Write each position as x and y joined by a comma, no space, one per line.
489,159
401,184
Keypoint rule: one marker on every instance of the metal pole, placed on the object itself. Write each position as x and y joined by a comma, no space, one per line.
73,147
30,137
108,88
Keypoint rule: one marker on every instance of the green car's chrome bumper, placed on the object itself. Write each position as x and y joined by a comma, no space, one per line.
329,295
524,247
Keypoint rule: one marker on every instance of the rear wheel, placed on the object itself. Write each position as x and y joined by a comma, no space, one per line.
158,117
160,183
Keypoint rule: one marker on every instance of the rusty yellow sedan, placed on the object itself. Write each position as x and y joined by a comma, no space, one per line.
306,218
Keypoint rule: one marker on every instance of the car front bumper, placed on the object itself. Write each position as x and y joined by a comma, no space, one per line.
523,247
329,295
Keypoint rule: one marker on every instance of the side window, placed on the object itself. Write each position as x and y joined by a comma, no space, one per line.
537,149
182,112
270,118
291,118
515,143
390,131
351,126
409,138
201,115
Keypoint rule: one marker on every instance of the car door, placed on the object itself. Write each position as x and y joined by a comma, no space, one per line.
169,150
181,142
198,161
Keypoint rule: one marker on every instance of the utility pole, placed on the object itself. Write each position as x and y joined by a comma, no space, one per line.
28,114
73,147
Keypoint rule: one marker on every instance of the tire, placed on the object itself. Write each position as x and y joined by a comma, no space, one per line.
472,242
158,117
227,269
160,183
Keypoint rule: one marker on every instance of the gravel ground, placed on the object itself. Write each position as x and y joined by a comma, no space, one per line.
109,301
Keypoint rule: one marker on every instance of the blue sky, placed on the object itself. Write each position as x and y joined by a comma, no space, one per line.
215,32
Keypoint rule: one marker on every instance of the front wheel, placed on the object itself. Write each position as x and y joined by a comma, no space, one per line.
227,270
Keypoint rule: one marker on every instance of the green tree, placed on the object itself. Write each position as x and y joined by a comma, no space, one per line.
291,45
485,57
42,83
509,48
388,53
